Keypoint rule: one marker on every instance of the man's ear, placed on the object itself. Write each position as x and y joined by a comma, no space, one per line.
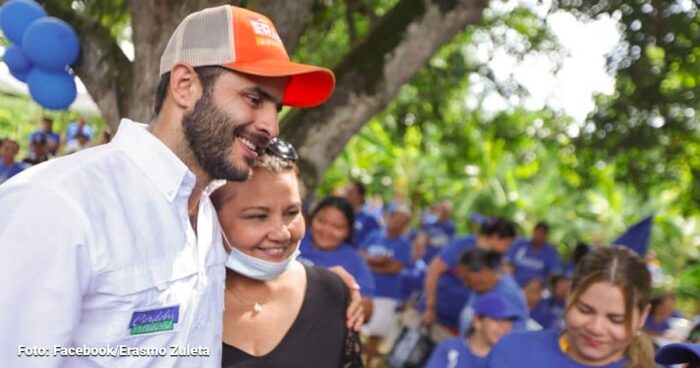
185,86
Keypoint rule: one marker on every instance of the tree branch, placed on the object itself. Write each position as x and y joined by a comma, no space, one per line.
371,74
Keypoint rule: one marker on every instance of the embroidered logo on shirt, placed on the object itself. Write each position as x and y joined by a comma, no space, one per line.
154,320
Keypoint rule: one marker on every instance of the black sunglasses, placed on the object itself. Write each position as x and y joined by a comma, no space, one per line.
282,149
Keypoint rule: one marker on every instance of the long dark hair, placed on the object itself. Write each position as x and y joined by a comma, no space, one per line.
343,206
623,268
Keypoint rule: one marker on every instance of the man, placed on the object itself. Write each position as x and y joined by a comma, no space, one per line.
8,166
445,294
52,139
534,258
439,232
38,151
493,319
365,223
118,246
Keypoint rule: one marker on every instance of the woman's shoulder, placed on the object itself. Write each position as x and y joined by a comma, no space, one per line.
516,349
322,280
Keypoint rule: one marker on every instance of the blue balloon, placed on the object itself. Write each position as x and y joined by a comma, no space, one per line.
16,60
20,75
17,15
52,90
51,44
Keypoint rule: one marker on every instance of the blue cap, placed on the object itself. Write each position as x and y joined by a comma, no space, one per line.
494,305
678,353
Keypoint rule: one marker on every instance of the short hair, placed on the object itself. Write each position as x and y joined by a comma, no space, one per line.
207,75
361,188
542,226
475,259
503,228
265,161
47,119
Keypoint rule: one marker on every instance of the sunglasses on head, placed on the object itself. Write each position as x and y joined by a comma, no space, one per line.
282,149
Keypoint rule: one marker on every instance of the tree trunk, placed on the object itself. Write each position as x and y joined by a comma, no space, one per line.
369,76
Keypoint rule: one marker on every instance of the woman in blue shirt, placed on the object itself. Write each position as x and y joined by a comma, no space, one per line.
327,243
609,302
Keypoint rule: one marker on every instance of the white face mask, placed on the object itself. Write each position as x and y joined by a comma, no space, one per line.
257,268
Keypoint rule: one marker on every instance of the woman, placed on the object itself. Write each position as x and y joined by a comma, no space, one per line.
328,244
284,308
609,302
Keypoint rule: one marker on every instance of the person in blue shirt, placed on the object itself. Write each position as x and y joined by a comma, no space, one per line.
548,312
364,223
52,139
445,294
78,126
662,309
8,166
611,291
326,244
439,233
580,250
481,272
533,258
387,253
493,320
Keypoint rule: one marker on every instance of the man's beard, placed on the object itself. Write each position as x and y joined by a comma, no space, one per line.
210,136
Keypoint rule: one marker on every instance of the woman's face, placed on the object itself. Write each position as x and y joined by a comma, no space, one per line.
595,325
330,228
262,217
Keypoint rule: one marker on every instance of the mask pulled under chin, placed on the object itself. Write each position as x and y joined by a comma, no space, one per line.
255,268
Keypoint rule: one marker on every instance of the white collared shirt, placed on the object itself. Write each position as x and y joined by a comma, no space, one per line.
97,253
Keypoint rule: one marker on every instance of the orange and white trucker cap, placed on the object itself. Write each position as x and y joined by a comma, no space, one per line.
247,42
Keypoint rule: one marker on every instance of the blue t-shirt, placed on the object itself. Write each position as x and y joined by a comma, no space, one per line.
364,225
51,138
529,263
399,249
548,312
412,279
534,349
344,256
455,353
507,287
452,293
73,129
9,171
440,235
652,326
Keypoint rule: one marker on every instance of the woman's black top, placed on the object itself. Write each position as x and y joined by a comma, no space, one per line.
318,336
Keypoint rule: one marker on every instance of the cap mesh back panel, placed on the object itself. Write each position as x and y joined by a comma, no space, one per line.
203,38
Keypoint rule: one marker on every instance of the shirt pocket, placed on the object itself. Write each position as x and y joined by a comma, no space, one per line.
160,283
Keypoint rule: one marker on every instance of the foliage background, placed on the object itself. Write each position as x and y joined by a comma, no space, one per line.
638,152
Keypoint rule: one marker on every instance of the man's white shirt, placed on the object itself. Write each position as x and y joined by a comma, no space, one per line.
99,264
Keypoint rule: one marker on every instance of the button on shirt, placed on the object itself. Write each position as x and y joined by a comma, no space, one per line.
98,252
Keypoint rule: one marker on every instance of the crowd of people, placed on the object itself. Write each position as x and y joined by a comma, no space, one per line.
184,243
471,290
45,144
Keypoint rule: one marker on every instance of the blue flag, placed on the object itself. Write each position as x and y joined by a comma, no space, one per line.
637,236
